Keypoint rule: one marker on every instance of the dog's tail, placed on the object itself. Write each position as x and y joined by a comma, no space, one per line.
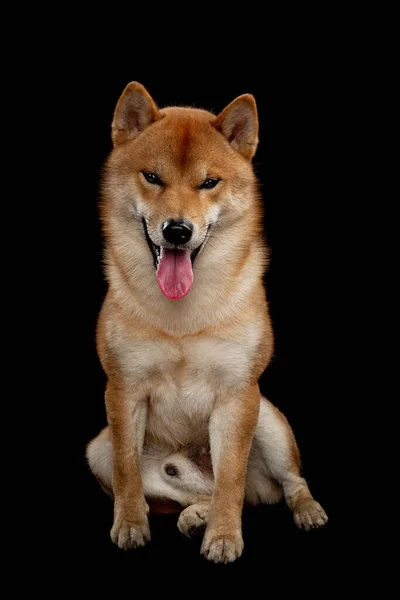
178,476
181,476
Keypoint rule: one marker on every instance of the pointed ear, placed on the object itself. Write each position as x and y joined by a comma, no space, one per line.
134,112
238,122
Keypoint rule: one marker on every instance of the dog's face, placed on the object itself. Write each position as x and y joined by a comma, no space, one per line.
176,175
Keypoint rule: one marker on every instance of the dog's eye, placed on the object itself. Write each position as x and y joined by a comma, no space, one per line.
210,183
152,178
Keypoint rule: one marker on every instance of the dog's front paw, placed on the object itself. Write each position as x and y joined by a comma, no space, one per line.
130,531
308,514
222,547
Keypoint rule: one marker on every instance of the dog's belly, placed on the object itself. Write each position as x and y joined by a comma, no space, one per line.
179,412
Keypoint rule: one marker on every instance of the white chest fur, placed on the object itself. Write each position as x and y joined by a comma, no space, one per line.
183,379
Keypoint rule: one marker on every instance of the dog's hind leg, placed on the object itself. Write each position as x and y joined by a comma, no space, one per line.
164,475
193,519
99,457
260,488
200,481
275,444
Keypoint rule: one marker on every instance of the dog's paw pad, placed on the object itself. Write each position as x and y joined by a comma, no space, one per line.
309,515
193,520
222,548
130,535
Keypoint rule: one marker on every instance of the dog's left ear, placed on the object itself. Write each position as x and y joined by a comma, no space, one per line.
238,122
135,111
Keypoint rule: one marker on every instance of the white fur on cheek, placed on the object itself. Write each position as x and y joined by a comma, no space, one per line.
213,214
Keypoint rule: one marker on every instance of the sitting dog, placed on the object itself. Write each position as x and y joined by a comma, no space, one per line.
184,332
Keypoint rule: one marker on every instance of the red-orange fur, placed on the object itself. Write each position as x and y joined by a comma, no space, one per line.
226,306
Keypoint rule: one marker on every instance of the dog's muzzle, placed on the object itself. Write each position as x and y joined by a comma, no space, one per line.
174,266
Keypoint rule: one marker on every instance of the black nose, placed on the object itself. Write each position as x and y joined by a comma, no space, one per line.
177,231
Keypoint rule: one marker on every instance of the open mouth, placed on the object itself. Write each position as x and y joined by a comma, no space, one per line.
156,251
174,267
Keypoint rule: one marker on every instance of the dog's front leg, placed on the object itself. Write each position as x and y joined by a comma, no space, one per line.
126,414
232,426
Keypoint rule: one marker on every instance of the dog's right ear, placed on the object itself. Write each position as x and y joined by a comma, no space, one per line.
238,122
135,110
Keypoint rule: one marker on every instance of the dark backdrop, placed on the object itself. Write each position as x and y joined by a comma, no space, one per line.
296,162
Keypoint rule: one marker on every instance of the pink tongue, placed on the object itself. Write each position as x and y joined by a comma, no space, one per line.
174,273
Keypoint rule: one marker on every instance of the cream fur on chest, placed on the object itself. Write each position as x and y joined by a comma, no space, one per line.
182,378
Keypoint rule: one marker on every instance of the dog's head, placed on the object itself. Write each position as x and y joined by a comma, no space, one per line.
176,177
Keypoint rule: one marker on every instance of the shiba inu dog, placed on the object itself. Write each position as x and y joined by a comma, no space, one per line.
184,332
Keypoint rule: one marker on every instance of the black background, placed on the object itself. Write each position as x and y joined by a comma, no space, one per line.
297,163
